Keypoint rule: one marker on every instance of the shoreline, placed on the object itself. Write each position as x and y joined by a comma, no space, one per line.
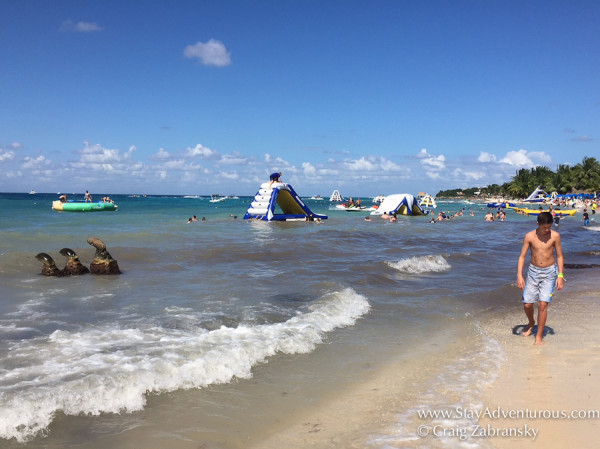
543,385
560,376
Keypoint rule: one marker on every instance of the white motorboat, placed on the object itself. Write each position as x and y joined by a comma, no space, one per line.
216,198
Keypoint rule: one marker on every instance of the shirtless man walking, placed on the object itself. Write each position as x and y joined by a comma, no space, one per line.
545,272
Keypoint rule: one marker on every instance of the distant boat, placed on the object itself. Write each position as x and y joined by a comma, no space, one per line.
352,208
32,192
378,199
316,198
216,198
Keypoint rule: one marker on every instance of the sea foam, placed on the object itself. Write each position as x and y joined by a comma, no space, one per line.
421,264
105,369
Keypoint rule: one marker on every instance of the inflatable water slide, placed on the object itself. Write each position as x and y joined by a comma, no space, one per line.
400,204
279,202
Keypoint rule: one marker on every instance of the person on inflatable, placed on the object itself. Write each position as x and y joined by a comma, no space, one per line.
275,177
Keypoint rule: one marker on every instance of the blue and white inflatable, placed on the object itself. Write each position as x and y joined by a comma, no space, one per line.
279,202
400,204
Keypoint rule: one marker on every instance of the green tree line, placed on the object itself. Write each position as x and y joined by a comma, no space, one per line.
583,177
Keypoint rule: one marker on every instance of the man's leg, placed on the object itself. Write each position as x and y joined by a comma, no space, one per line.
529,312
542,315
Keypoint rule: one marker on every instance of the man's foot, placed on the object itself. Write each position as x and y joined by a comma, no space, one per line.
538,342
527,331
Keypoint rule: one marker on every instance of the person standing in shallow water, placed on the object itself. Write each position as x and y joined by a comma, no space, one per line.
545,272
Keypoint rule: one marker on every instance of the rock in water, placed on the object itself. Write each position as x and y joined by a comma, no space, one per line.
73,266
49,268
103,262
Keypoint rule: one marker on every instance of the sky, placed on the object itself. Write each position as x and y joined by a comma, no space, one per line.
367,97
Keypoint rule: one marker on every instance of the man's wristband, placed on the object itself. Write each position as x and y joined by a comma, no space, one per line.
560,275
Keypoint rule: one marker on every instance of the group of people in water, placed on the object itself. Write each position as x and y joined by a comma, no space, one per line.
87,197
194,218
554,212
448,216
500,215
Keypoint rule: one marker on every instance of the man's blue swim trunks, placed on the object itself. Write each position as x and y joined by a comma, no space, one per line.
540,284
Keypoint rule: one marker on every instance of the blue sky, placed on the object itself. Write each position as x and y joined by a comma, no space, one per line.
368,97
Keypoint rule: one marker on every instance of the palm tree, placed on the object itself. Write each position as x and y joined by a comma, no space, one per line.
544,177
519,186
564,179
587,174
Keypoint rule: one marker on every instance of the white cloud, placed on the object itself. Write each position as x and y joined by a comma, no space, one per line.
521,158
518,158
162,154
486,157
228,175
15,146
309,169
202,151
79,27
331,172
368,164
204,170
175,164
468,175
6,155
389,166
233,159
435,163
13,174
361,164
584,138
97,154
431,162
423,153
106,161
277,160
540,156
189,177
34,162
211,53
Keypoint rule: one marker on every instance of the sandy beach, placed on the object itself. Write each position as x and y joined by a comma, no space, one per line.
557,380
540,387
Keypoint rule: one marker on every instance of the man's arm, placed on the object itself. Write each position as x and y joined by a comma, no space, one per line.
521,262
560,261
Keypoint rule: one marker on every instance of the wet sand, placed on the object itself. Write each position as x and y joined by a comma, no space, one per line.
559,377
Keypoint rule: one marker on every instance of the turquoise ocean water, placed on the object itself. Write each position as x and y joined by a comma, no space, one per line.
211,321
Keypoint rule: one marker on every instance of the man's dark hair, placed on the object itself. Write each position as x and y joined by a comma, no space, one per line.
544,218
